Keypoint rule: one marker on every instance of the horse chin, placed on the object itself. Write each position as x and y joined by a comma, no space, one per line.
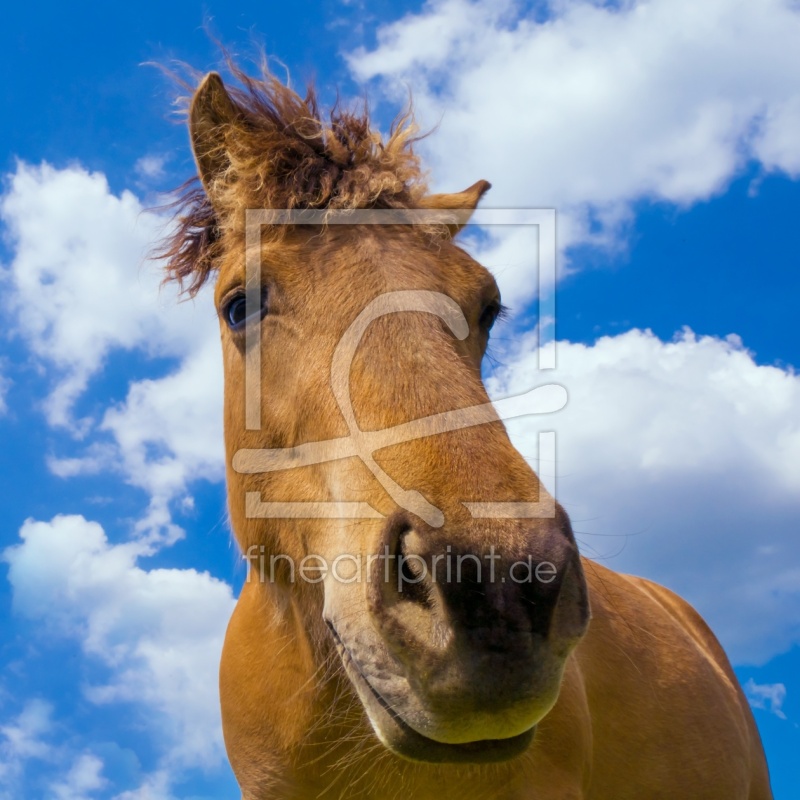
398,736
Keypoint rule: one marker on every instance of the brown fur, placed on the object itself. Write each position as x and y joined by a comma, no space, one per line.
640,703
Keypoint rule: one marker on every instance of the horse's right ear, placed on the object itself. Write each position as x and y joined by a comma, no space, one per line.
211,114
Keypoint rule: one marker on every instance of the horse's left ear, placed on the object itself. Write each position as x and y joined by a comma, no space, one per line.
211,115
464,202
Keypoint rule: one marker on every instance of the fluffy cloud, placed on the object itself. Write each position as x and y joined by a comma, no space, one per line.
169,431
22,739
150,166
28,740
597,105
83,779
80,288
76,283
680,461
158,632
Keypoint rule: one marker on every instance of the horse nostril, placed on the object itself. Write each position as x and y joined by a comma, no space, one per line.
413,574
404,573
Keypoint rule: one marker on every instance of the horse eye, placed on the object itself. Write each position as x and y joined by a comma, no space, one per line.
489,315
235,311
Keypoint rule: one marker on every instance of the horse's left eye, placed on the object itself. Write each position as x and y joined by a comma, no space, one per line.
235,311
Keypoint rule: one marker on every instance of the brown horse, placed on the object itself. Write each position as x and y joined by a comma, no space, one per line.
387,648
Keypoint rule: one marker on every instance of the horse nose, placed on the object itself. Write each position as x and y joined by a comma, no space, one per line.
431,591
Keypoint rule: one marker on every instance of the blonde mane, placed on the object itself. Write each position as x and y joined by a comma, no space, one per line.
283,154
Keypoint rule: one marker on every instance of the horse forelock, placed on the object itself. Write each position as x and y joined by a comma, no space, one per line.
283,153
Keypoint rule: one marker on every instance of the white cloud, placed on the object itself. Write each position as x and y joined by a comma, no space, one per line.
158,632
24,738
179,417
680,461
95,458
760,695
598,105
80,288
82,781
154,787
150,166
166,434
79,283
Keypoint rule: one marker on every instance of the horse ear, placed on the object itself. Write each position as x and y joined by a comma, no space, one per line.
465,201
211,112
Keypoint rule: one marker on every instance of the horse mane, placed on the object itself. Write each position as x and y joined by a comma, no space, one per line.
283,154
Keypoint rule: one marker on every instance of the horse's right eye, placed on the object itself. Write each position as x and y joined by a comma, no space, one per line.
234,312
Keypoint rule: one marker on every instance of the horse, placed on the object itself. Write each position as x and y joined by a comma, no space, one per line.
430,675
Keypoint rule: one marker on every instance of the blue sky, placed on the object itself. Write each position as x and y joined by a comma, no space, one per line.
665,135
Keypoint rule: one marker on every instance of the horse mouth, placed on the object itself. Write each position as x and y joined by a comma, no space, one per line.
403,740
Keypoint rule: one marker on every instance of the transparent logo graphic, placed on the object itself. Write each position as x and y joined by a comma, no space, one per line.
542,399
